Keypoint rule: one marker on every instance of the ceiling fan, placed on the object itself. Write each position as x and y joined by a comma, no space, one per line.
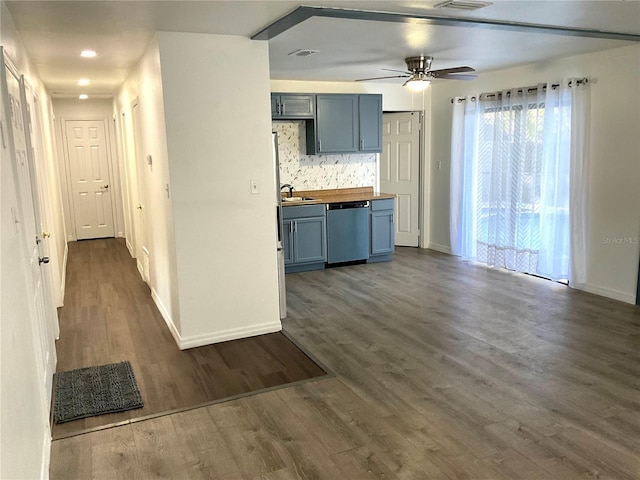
419,73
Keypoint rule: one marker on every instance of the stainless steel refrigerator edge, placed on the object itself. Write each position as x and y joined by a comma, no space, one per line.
281,280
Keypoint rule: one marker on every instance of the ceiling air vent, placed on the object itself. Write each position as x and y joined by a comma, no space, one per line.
303,53
462,4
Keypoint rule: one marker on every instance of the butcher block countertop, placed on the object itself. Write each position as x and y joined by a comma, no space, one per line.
337,195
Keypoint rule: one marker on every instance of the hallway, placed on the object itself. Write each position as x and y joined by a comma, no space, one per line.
109,317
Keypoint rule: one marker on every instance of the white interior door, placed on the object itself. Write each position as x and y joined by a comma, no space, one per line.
400,172
142,248
90,178
27,220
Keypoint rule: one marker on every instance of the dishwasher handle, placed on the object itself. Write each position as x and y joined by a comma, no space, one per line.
346,205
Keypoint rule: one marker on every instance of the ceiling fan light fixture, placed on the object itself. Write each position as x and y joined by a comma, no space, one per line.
418,82
418,85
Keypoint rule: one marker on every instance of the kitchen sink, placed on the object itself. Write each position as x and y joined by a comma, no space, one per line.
296,199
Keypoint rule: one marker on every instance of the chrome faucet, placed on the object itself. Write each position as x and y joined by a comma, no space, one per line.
290,187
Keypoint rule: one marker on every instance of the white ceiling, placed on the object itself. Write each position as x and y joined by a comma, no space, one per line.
54,32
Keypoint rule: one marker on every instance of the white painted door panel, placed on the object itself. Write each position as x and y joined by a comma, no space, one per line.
90,178
27,220
400,172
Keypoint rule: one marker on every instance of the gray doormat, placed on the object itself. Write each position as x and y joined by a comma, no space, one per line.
90,391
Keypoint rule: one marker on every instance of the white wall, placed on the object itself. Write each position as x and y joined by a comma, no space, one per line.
24,434
218,123
144,86
93,109
614,211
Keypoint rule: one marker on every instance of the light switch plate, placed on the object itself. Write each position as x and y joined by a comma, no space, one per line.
254,187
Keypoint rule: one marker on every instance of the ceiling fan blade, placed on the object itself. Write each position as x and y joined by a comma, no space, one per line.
399,71
452,70
449,76
381,78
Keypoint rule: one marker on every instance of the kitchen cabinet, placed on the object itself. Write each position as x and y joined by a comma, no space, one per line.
336,125
370,122
292,106
382,242
304,238
346,123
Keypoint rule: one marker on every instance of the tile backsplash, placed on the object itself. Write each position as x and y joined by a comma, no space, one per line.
317,172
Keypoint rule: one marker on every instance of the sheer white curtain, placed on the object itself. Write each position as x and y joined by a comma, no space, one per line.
579,179
463,189
519,180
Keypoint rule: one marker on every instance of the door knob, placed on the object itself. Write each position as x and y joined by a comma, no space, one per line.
139,207
46,235
105,186
42,260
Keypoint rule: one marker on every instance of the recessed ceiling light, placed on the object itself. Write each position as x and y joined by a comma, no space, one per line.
88,53
84,96
83,82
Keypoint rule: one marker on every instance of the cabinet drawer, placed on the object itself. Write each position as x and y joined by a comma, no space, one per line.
384,204
301,211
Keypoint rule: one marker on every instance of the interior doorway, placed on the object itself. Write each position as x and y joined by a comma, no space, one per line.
400,172
90,180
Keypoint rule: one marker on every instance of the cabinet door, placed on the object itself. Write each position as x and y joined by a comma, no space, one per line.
287,241
382,232
275,106
309,239
336,123
370,123
297,106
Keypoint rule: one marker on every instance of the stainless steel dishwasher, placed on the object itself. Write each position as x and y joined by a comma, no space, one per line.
347,232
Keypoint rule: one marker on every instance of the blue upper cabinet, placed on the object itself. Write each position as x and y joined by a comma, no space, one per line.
345,123
336,126
370,116
286,106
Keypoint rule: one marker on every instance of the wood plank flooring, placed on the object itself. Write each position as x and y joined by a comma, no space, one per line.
444,370
109,317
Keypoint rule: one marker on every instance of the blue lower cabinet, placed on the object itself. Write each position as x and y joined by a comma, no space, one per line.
305,238
382,230
287,241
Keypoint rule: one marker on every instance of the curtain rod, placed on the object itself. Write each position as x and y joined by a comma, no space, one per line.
520,91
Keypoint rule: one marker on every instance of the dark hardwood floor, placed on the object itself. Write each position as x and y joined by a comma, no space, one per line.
109,317
444,370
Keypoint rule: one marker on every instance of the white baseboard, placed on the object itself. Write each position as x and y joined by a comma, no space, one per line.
214,337
46,454
140,269
63,280
129,247
166,315
440,248
610,293
231,334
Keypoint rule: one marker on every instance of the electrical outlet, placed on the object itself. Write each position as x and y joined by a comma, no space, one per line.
254,187
439,165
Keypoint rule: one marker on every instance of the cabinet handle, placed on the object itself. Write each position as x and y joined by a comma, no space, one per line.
282,109
319,145
291,227
362,144
278,108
